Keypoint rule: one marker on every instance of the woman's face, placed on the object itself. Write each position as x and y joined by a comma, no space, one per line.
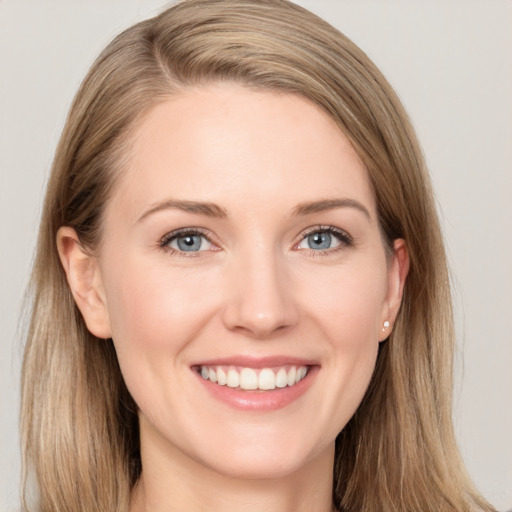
242,249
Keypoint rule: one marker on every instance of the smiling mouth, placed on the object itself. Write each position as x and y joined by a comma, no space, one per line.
252,379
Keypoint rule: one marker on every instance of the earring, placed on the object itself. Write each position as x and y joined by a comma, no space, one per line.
386,325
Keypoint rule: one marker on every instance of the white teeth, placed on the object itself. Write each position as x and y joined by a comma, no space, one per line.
291,376
233,379
281,378
248,379
251,379
266,379
221,376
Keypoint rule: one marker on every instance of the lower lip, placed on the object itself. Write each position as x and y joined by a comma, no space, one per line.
260,400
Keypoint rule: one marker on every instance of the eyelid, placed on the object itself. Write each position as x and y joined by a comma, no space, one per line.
168,237
346,240
329,228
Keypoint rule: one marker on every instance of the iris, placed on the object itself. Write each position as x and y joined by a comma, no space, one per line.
319,240
189,242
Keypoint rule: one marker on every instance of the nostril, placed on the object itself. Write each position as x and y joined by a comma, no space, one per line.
259,324
258,301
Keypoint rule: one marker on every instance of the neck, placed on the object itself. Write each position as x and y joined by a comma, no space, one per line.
172,482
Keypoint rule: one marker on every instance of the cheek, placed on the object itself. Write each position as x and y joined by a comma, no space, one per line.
348,309
154,312
349,302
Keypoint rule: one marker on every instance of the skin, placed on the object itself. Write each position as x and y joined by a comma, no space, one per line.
255,289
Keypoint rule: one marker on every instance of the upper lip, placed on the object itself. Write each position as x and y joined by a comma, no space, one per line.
257,362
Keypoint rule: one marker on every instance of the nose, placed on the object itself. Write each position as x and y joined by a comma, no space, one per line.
259,296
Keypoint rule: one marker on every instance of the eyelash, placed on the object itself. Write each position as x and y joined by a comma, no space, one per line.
341,235
173,235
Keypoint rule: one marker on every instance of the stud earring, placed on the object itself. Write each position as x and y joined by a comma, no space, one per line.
386,325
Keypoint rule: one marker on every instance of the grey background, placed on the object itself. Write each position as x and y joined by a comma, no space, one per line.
451,63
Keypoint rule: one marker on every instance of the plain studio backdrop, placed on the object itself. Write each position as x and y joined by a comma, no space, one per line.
451,63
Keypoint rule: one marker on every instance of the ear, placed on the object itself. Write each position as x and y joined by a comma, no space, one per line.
84,279
398,268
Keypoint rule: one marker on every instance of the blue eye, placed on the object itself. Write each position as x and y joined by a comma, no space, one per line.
187,242
324,239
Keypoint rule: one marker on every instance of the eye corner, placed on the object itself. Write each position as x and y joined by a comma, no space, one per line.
188,242
328,239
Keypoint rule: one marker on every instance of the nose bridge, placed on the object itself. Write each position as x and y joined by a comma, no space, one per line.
260,299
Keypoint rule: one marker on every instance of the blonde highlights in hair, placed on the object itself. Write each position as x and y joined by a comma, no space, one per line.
79,423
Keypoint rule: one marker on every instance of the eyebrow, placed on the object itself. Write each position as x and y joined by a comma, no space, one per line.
207,209
215,211
330,204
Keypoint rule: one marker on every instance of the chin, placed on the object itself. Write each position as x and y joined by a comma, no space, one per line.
264,454
260,467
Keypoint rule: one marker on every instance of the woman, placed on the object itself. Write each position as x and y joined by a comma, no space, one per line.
240,241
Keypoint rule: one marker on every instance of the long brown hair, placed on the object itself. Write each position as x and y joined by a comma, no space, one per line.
79,423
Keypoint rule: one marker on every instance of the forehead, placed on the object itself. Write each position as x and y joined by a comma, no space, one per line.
229,144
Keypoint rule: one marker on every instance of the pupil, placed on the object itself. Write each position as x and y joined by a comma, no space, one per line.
189,243
319,240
